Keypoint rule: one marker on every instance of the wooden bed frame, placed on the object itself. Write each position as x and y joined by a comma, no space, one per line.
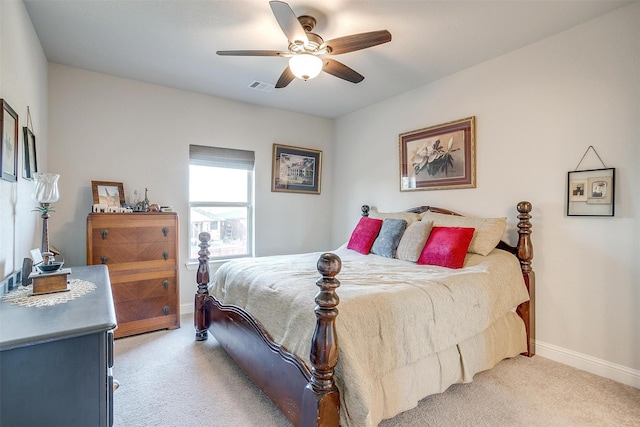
310,397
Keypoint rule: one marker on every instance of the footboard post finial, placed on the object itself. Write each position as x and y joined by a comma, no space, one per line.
525,255
321,400
202,279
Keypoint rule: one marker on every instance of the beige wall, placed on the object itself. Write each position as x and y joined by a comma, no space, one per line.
107,128
537,110
23,83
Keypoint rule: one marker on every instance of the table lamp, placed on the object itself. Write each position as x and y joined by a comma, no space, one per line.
45,192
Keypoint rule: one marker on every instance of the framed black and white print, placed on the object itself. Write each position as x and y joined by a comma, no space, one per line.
9,149
591,192
30,158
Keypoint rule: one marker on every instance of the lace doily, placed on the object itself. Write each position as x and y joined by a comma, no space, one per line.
23,295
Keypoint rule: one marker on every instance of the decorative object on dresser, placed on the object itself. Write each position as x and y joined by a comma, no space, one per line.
439,157
141,252
56,359
50,278
296,170
8,143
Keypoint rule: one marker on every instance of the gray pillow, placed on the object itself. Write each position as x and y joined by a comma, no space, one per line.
390,234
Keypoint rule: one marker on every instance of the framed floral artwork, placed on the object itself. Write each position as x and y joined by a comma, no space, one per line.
9,143
439,157
591,192
296,170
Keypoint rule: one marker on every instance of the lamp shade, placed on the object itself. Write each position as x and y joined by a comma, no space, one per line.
46,187
305,66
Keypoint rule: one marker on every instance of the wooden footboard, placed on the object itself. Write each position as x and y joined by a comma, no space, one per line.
306,398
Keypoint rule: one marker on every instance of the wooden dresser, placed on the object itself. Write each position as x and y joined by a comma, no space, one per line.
141,252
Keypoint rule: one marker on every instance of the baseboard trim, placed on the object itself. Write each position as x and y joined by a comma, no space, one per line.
186,308
603,368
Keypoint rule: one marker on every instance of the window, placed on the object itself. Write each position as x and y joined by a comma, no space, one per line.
220,201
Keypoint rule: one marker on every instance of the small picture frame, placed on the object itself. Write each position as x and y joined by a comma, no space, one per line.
439,157
296,170
30,159
9,143
591,192
107,193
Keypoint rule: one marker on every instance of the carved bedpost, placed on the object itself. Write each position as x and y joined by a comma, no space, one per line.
202,279
525,255
321,400
365,210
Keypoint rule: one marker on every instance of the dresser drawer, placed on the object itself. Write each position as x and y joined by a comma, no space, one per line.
129,311
140,290
157,233
117,254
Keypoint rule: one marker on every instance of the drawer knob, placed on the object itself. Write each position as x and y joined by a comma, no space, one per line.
104,233
104,259
165,309
165,231
165,285
165,255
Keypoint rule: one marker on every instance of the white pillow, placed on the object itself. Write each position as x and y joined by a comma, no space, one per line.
413,240
410,217
488,231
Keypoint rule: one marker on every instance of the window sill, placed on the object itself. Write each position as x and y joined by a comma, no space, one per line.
214,265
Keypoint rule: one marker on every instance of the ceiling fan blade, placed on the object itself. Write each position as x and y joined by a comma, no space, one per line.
358,41
288,21
251,53
285,78
340,70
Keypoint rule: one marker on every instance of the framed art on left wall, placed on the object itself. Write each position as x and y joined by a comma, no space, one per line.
9,135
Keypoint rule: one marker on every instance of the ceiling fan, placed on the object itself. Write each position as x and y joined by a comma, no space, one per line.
307,50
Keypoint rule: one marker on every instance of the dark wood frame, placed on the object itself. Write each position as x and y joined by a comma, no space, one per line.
30,157
411,142
309,397
96,196
8,175
278,186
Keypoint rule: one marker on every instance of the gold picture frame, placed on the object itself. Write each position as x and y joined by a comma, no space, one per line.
107,193
439,157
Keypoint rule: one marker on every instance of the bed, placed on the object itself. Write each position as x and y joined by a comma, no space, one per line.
406,330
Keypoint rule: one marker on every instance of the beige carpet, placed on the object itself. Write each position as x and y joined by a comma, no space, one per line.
168,379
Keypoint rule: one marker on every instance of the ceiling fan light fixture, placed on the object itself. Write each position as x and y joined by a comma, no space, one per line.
305,66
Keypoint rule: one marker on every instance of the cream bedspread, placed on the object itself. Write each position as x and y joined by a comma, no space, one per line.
396,320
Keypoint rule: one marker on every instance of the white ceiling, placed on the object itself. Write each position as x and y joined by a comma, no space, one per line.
173,42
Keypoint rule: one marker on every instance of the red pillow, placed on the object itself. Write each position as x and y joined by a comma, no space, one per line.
446,246
364,235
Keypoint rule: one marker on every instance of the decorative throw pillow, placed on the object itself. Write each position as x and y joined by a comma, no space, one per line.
446,246
410,217
488,233
390,234
364,235
413,240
